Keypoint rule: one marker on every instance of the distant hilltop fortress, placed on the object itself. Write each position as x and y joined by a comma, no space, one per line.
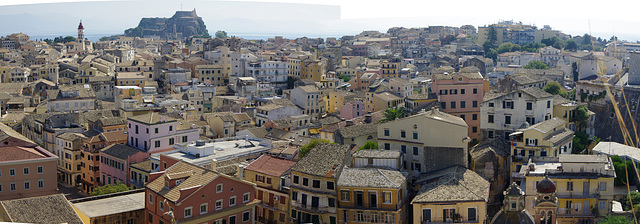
181,25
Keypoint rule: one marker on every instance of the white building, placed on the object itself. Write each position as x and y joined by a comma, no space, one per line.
503,114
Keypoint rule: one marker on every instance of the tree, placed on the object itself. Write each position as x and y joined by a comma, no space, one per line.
492,53
221,34
492,36
571,45
586,39
622,167
487,45
392,114
554,88
448,39
68,39
615,219
110,189
574,70
312,144
536,65
344,78
635,198
369,145
504,47
104,38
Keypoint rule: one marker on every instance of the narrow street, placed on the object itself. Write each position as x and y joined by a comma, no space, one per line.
70,192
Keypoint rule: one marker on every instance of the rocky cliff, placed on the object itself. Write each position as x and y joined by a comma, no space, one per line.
182,24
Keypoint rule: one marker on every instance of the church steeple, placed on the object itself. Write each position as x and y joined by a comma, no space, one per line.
81,36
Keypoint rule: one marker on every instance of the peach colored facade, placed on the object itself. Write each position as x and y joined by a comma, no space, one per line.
28,177
461,96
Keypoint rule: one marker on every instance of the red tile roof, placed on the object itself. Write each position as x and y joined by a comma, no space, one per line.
270,165
16,153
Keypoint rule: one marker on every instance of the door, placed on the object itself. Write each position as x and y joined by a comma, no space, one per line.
585,208
271,200
373,200
585,188
315,202
271,216
304,200
359,199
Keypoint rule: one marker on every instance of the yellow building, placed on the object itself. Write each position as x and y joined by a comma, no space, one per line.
312,69
549,138
378,198
335,99
566,110
212,73
430,140
130,79
583,185
454,194
271,175
386,100
390,68
67,148
313,187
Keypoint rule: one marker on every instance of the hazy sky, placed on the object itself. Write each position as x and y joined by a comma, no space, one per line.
573,17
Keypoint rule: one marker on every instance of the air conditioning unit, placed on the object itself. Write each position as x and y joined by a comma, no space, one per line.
276,198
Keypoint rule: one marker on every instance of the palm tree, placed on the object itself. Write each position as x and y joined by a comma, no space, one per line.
392,114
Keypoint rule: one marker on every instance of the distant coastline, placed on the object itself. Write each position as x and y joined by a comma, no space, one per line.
248,36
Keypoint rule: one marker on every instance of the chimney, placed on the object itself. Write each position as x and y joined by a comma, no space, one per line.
367,118
349,123
214,164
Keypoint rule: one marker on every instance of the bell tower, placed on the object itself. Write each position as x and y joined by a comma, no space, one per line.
546,203
81,37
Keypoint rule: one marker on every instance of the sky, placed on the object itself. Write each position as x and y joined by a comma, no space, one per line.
572,17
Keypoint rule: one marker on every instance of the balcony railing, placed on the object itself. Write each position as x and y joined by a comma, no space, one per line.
313,209
568,212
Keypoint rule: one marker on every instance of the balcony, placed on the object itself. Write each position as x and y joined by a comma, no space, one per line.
568,212
312,209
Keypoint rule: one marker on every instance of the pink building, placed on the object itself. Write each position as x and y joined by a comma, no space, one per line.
115,160
461,94
155,133
352,109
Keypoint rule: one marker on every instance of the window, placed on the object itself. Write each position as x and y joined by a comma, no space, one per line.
403,134
150,199
453,105
156,130
474,104
232,219
475,91
415,135
490,134
386,132
204,208
471,213
232,201
474,117
602,205
27,185
184,138
219,188
463,91
219,204
603,186
296,179
426,215
12,172
245,216
443,105
453,91
157,144
417,167
294,195
316,184
12,186
344,195
507,119
507,104
281,218
25,171
529,105
187,212
403,148
386,197
40,169
490,118
474,129
387,146
150,217
171,141
330,185
569,186
40,184
332,202
463,104
548,103
415,151
245,197
305,181
170,128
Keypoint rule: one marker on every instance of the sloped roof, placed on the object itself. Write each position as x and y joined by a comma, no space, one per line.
271,165
536,92
110,121
372,178
499,146
359,130
453,184
380,154
151,118
324,160
45,209
16,153
529,79
120,151
548,125
7,132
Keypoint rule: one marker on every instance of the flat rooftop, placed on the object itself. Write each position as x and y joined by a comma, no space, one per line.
111,205
222,150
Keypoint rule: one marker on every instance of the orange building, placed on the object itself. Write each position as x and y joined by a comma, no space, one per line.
91,156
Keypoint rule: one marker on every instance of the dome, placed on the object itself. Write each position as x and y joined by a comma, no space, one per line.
546,186
514,190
